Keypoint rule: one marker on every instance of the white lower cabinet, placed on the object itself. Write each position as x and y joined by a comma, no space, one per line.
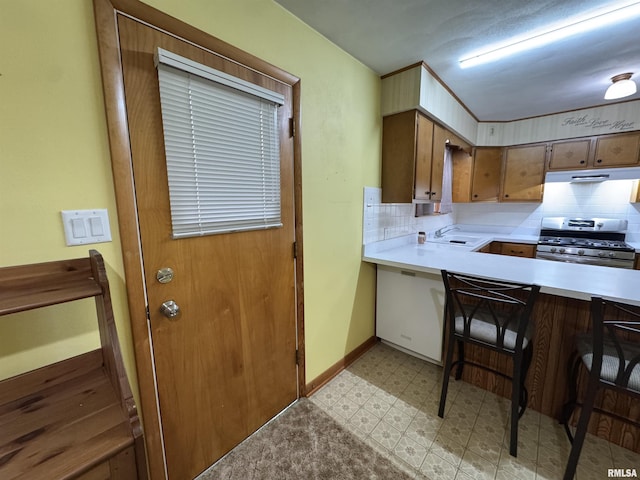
409,311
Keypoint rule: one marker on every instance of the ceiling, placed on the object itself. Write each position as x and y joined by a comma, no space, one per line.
570,74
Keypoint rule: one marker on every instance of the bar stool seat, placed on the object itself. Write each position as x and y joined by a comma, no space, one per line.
490,314
483,329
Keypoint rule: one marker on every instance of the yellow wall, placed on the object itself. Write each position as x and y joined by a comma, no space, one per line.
54,156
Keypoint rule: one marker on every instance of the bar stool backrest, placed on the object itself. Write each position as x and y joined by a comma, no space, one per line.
615,344
501,307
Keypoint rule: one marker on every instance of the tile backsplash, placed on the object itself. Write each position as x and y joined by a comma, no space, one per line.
382,221
608,199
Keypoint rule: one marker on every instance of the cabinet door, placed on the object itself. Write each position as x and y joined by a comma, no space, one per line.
569,155
423,159
462,175
618,150
523,173
518,250
398,157
485,183
440,136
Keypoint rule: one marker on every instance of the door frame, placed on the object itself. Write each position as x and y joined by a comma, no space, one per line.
105,12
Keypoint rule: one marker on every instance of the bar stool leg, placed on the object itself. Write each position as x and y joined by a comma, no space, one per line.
516,393
581,429
446,375
460,360
524,394
570,405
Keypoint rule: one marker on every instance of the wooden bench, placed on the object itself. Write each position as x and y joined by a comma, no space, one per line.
75,419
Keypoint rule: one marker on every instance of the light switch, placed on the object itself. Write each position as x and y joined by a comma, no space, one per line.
77,228
95,224
83,227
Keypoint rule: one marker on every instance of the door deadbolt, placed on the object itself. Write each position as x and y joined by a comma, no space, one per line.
164,275
170,309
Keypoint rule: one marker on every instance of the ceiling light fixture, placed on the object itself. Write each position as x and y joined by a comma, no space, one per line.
607,17
622,86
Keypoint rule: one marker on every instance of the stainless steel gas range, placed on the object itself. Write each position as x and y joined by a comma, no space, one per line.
591,241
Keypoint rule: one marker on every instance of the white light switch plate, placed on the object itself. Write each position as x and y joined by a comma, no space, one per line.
82,227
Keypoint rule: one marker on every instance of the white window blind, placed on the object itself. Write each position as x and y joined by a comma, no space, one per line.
222,149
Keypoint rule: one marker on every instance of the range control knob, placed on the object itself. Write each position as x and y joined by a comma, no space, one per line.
602,254
561,250
580,252
553,249
612,254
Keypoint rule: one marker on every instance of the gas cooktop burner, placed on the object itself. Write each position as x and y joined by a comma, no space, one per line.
585,242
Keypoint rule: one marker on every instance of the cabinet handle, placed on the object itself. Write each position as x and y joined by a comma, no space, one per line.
427,193
581,161
506,195
408,274
475,195
599,160
433,193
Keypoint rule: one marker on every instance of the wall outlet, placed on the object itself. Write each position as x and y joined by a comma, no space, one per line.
82,227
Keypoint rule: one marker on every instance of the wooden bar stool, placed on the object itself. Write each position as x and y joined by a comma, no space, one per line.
490,314
610,353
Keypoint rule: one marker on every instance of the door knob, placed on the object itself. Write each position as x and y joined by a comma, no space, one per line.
170,309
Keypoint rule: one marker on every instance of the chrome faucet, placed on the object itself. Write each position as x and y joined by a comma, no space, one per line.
441,231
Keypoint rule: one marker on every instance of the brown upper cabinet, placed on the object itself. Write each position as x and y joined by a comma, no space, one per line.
407,140
569,155
413,158
621,150
618,150
523,173
462,176
487,167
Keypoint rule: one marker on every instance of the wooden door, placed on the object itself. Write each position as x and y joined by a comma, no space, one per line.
487,166
618,150
227,364
523,175
569,155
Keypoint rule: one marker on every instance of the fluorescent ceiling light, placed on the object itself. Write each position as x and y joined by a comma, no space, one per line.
607,17
621,87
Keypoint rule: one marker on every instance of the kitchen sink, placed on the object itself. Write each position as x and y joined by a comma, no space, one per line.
457,240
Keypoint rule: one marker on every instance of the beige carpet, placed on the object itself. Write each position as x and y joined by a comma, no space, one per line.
303,443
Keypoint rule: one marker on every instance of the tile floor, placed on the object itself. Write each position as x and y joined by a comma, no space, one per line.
390,400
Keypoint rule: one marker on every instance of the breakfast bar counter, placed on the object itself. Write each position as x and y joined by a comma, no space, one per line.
562,310
558,278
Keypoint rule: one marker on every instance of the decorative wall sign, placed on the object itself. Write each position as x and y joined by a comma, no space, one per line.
588,121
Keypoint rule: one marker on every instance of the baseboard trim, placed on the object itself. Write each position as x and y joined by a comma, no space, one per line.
339,366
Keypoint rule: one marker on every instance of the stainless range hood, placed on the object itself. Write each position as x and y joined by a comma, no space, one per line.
594,175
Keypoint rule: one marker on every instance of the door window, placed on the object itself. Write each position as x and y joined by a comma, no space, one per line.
222,149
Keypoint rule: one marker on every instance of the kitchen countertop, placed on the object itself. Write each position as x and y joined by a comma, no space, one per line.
556,278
